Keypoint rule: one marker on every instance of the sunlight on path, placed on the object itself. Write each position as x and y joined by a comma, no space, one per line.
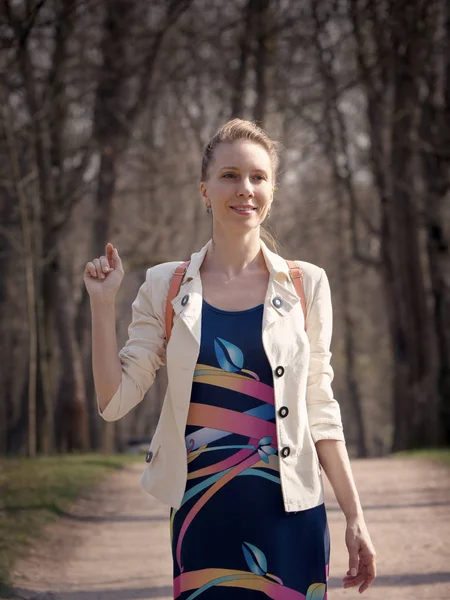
121,549
115,545
407,509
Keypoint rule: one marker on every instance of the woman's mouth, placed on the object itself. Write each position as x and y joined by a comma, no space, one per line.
243,209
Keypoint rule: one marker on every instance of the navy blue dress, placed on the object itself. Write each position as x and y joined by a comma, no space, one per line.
231,537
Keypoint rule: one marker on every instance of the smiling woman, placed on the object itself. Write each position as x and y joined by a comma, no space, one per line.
249,418
256,162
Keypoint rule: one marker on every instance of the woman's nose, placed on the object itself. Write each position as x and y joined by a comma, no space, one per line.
245,188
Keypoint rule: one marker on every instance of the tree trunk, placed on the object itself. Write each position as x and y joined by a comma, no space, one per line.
262,55
5,330
439,262
415,392
391,98
239,87
335,148
28,258
71,416
435,140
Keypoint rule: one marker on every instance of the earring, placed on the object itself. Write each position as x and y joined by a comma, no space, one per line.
208,209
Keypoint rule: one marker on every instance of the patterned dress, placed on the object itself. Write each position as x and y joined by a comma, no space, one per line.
231,537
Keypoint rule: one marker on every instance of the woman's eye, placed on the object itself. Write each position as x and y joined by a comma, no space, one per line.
233,175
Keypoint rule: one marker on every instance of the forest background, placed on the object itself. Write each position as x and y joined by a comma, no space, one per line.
106,106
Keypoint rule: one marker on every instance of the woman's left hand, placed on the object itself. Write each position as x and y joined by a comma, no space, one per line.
362,568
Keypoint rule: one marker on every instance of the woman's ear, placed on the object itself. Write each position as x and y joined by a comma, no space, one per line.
204,193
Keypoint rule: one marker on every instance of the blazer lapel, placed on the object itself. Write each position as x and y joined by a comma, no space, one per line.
187,305
280,300
281,296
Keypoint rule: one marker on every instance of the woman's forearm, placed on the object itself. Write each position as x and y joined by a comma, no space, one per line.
334,459
106,364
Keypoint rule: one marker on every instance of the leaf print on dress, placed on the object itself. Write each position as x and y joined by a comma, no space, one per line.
316,591
257,562
255,558
229,356
265,449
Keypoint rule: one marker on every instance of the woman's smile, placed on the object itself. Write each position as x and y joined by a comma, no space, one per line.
244,209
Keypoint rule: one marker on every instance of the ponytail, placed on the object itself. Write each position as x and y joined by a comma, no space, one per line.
269,239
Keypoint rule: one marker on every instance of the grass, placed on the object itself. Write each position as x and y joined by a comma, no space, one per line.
36,491
440,455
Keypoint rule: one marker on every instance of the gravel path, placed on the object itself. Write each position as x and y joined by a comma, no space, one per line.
114,545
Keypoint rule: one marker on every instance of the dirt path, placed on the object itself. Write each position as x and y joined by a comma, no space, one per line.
114,545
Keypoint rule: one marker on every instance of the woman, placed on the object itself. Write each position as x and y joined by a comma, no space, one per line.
249,417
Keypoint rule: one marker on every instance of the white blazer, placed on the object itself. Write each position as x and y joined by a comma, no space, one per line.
304,386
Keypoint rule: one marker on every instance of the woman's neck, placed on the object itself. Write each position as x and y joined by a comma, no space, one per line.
231,255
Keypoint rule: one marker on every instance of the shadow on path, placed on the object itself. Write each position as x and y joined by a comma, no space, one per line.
116,594
399,580
119,518
166,591
336,509
115,518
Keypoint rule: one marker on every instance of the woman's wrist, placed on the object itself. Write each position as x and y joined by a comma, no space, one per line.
354,516
101,302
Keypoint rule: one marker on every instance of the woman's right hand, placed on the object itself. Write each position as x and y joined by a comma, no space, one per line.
103,276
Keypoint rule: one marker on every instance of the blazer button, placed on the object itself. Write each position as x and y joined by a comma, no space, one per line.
185,300
277,302
149,456
285,452
283,412
279,371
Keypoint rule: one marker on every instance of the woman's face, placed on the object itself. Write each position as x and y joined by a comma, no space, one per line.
239,187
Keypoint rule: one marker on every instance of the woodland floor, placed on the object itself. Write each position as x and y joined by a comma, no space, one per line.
114,543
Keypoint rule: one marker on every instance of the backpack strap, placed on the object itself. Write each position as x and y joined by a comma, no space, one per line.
297,279
177,279
174,288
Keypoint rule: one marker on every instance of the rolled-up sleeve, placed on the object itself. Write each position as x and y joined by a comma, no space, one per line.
142,355
323,410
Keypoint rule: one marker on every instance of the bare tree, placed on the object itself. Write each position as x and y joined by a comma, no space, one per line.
434,144
391,99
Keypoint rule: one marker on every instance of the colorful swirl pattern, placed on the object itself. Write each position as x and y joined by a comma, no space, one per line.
233,474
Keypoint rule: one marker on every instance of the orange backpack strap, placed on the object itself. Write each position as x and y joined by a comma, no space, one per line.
297,279
174,288
177,279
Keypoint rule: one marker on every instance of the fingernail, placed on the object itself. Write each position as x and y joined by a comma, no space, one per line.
106,269
353,572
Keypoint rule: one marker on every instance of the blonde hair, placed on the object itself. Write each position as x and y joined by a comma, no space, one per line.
240,129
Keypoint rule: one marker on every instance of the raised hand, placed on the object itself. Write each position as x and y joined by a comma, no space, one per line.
103,276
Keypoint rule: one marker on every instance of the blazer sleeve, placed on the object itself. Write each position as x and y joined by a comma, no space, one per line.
142,355
323,410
